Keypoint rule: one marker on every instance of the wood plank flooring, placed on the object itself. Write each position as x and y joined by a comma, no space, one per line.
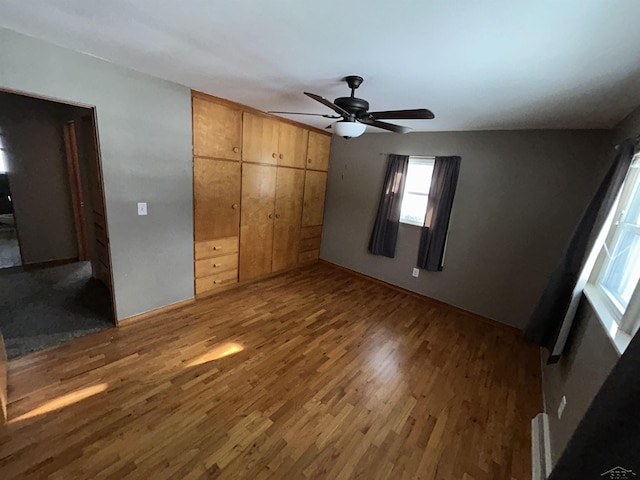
313,374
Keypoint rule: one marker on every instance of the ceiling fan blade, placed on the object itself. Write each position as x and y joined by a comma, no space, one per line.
302,113
384,125
415,114
329,104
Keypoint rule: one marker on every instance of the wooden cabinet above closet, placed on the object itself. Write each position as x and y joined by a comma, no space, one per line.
266,140
217,130
318,151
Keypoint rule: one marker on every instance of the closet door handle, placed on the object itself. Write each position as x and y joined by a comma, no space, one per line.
274,155
277,215
271,215
236,149
281,156
234,206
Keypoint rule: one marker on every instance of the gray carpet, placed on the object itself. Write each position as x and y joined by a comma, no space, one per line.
46,307
9,248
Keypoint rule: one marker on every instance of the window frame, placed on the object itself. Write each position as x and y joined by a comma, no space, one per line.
422,160
611,312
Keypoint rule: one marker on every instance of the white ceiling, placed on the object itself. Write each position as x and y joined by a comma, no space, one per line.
491,64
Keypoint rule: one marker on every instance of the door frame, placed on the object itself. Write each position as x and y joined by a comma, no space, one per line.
98,158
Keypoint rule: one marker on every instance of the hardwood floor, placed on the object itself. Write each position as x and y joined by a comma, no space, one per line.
316,373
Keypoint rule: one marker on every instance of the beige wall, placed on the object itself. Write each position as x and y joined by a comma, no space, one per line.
520,194
144,126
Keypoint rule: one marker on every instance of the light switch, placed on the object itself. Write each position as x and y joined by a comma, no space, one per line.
142,208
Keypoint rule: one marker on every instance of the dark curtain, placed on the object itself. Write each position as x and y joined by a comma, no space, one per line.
548,319
608,435
385,230
433,239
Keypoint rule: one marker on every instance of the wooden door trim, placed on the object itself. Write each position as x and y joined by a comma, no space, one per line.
93,120
75,185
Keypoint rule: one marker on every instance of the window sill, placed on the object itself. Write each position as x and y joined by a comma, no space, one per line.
619,339
407,224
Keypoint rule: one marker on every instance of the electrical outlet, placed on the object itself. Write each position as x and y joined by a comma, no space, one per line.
142,208
416,272
563,403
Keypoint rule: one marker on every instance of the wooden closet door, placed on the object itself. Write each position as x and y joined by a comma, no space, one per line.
292,145
286,227
217,130
256,221
259,139
216,194
314,189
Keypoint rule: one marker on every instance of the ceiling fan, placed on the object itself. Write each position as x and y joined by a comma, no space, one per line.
355,115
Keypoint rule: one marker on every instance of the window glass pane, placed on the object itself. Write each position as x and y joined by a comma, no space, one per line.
633,211
419,177
416,191
623,271
414,208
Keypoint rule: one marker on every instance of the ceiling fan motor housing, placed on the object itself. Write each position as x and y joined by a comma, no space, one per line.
353,105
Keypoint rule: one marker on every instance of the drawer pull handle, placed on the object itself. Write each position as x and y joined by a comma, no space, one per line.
217,248
309,160
236,149
217,265
217,282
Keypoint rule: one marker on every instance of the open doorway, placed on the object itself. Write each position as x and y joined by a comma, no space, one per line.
9,246
57,282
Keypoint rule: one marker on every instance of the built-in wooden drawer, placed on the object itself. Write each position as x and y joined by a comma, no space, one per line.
309,256
215,265
214,282
310,232
216,248
309,244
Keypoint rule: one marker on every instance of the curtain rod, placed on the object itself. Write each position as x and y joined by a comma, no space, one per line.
409,155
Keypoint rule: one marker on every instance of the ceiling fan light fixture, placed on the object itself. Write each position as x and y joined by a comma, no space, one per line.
348,129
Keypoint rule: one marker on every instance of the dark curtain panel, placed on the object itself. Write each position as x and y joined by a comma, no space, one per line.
548,319
433,239
385,230
608,435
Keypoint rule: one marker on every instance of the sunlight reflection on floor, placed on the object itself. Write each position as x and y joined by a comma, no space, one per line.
218,352
63,401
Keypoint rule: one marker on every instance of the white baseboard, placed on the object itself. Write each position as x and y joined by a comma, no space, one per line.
540,447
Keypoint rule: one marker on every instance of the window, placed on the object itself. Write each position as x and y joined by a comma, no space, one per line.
416,190
617,269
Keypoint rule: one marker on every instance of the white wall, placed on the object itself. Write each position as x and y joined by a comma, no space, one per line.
144,125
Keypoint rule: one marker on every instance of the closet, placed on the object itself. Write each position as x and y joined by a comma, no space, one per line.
259,186
217,134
